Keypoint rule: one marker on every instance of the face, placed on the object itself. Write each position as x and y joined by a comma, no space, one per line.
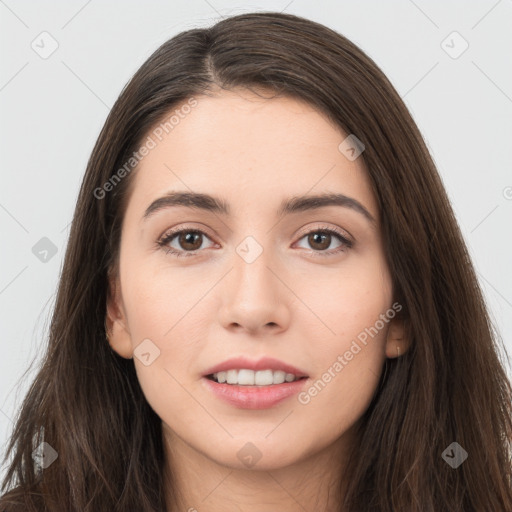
266,274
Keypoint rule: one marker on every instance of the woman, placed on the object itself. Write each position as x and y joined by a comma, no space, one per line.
266,300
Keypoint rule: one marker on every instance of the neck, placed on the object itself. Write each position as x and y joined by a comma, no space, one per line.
196,482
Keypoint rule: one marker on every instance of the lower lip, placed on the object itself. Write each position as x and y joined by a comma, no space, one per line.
254,397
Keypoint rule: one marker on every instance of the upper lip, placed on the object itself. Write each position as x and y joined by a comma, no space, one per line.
265,363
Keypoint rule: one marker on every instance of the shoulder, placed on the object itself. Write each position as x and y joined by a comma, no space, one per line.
10,502
22,499
12,508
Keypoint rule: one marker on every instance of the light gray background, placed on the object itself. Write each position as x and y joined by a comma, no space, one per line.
53,109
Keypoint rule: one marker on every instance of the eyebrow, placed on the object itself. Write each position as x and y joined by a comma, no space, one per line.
217,205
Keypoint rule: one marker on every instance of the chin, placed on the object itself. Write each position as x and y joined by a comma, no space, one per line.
258,454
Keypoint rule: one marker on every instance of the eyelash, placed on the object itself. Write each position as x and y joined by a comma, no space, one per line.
169,236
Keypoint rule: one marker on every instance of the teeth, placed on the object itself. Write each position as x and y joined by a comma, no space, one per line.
245,377
232,377
251,378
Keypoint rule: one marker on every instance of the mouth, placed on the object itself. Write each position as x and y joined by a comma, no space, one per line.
259,378
248,384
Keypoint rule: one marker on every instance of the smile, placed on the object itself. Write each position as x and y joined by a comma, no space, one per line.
245,377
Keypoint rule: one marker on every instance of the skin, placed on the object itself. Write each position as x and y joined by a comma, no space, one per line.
201,310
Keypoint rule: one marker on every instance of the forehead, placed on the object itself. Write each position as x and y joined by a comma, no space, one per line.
250,150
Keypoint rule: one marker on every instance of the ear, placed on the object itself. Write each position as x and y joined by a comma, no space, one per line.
397,342
119,336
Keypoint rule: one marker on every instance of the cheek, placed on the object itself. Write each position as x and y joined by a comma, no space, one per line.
347,333
163,307
156,293
347,300
170,307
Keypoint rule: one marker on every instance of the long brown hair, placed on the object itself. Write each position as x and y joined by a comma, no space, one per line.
451,386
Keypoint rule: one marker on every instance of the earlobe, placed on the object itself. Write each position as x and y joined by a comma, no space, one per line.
397,342
116,330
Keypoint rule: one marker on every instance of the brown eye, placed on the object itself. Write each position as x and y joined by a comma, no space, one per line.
188,240
319,241
184,242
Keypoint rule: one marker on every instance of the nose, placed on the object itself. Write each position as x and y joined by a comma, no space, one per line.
254,296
